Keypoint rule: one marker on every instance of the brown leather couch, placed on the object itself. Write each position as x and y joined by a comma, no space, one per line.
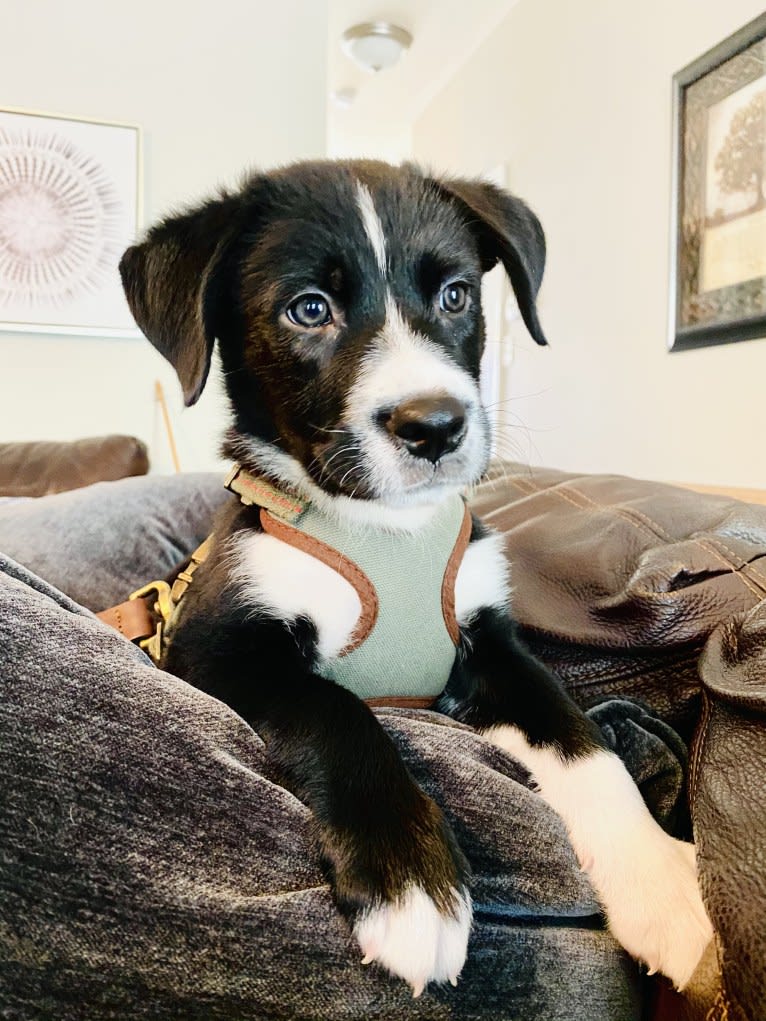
656,592
42,467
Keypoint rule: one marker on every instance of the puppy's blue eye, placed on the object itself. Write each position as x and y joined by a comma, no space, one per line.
310,311
452,297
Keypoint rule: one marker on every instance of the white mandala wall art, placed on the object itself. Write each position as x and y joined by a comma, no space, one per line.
69,196
59,220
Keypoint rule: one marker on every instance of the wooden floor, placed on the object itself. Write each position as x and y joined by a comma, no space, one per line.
737,493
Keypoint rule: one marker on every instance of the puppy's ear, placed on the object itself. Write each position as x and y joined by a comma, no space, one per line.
173,281
508,231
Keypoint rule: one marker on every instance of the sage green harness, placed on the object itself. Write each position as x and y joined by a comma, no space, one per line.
404,643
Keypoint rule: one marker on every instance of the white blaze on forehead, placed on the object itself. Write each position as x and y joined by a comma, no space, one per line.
372,226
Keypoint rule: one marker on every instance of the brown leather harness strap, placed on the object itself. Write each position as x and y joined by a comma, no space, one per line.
133,618
368,597
399,702
450,574
144,617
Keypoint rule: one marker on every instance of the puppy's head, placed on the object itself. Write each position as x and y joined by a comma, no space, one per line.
345,299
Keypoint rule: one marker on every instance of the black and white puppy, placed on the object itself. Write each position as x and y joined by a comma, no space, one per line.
345,299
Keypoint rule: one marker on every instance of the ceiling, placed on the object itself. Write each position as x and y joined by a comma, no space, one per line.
445,32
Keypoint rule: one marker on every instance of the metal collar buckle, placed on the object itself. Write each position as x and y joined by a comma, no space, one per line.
163,607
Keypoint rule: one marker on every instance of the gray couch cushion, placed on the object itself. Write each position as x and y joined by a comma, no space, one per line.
151,866
100,543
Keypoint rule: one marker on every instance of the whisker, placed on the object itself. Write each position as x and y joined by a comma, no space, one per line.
354,467
324,429
518,397
343,450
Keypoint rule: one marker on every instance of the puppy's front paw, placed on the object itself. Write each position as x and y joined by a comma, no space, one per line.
415,939
659,916
402,882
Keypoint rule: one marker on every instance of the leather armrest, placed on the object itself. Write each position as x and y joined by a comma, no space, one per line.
618,582
42,467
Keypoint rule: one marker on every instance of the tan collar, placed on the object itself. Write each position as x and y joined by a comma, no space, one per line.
256,490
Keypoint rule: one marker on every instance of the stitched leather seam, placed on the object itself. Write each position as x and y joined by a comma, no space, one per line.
512,480
759,576
640,521
654,525
568,495
450,574
565,491
337,562
521,483
699,744
713,539
741,572
526,487
654,529
694,766
732,568
558,490
746,568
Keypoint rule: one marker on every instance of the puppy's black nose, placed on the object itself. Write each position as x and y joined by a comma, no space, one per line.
429,427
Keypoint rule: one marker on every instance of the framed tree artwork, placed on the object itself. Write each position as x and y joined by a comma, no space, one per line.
69,206
718,271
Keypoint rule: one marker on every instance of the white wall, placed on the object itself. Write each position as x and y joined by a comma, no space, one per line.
216,87
575,96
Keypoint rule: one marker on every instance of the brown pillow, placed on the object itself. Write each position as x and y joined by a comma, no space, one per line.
42,467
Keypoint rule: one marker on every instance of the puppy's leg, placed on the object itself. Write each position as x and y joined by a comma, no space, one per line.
397,872
645,879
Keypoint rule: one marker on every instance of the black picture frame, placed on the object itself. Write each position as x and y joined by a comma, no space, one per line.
718,229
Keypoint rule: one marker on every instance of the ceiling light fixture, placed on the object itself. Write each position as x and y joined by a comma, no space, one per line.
376,45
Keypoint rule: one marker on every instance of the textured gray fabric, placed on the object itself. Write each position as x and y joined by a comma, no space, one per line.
152,867
100,543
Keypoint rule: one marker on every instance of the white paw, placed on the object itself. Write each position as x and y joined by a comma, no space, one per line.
414,940
655,908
